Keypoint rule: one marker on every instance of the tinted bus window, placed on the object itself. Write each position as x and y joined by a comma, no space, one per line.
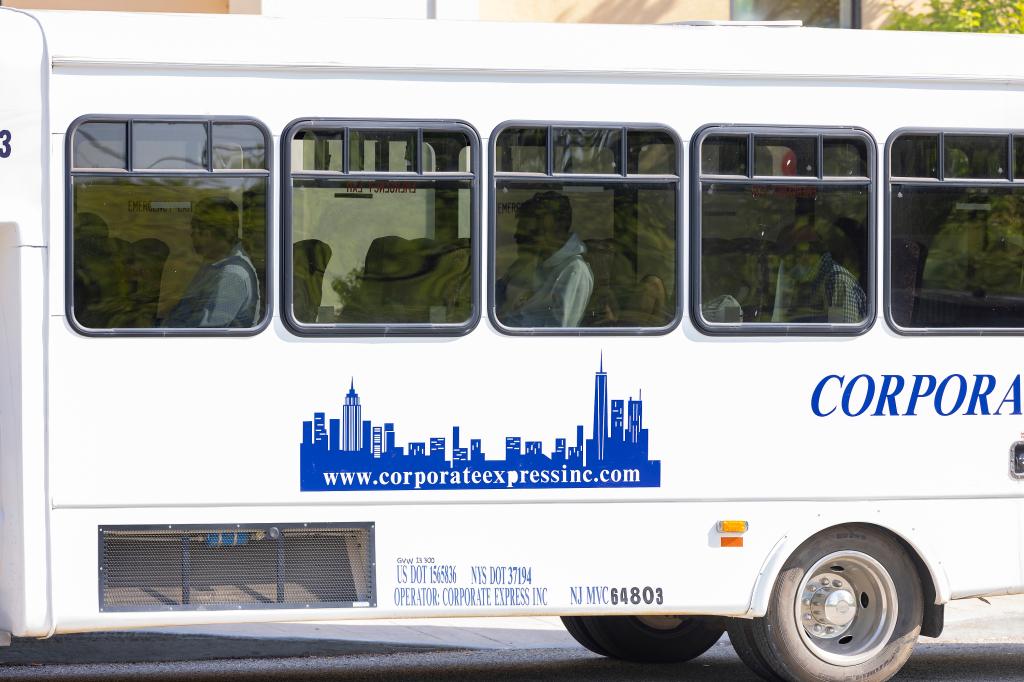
790,252
387,246
957,245
595,254
165,252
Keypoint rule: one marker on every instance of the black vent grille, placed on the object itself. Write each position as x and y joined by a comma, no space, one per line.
145,568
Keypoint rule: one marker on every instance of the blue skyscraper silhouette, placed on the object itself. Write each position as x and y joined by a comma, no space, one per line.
615,454
600,416
352,415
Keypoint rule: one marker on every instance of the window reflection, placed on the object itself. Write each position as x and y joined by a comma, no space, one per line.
593,255
238,146
724,155
823,13
169,252
786,156
957,256
784,254
101,145
651,152
916,156
382,151
845,158
522,150
177,146
318,150
976,156
381,252
588,150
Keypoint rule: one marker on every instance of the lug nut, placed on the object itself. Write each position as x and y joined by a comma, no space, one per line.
824,581
837,583
817,628
830,630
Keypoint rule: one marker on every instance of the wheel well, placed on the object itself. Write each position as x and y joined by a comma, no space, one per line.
932,621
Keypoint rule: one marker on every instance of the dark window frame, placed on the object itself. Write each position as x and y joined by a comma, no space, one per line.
70,172
623,177
822,133
424,329
1011,180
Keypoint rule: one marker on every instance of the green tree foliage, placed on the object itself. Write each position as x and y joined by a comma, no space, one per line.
975,16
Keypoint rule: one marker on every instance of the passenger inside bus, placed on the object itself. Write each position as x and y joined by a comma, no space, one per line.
811,286
374,249
100,283
792,249
617,233
310,258
225,291
117,282
550,281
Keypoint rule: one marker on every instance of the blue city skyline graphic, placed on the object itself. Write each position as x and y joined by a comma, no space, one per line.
352,453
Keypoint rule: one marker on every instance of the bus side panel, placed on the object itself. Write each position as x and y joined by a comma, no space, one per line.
528,559
24,144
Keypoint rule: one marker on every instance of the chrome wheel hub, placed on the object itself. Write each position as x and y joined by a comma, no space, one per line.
827,606
846,608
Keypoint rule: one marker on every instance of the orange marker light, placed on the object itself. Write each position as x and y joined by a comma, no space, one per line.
732,542
733,526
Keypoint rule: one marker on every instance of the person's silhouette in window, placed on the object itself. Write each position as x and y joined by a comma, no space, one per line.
811,286
562,281
101,285
225,292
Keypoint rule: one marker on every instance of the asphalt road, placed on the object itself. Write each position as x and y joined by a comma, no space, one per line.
150,657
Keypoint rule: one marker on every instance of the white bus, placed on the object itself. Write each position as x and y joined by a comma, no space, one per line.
666,330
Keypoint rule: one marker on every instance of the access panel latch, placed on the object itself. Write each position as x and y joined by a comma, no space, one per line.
1017,460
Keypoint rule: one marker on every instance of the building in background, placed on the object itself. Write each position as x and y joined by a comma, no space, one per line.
827,13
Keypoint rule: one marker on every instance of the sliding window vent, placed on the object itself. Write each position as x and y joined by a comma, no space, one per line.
228,567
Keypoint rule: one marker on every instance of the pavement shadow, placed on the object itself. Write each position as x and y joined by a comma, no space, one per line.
214,658
143,647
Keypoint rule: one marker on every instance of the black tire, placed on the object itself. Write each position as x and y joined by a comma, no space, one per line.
577,627
741,636
778,638
630,639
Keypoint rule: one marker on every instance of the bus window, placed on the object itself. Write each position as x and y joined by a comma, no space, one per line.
786,156
238,146
784,248
957,242
591,245
915,156
159,252
179,146
588,150
523,150
315,150
844,158
724,155
976,156
385,246
446,152
651,152
385,151
101,145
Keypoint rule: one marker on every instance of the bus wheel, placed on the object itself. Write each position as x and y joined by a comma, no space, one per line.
847,605
741,636
646,639
577,627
